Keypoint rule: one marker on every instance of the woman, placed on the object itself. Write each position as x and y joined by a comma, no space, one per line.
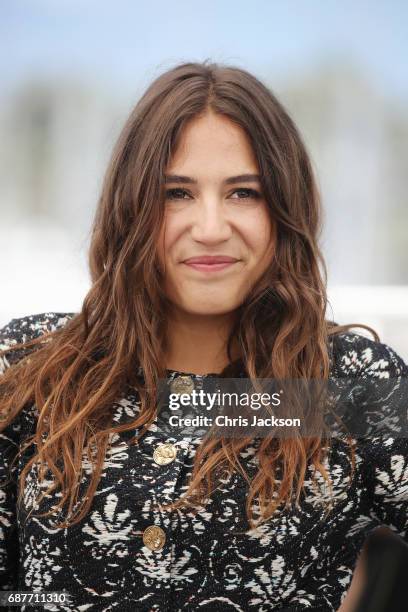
124,514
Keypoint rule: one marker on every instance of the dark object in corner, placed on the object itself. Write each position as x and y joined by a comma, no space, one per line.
386,567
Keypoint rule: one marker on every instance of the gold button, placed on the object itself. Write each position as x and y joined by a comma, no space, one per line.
182,384
154,537
164,454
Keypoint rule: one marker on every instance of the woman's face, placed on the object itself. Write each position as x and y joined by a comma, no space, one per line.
210,211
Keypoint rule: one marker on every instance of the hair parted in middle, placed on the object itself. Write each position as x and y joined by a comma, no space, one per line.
75,373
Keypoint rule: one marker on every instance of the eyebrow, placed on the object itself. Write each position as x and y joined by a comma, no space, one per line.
241,178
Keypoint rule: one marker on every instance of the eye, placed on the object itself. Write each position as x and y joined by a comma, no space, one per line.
250,193
178,194
175,194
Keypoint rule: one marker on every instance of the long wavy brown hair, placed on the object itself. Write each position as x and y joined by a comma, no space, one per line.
74,374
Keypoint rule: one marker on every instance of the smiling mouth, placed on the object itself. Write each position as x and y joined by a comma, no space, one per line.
215,267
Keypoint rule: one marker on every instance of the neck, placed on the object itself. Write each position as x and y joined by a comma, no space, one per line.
198,343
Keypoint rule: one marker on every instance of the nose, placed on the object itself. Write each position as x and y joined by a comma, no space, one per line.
210,224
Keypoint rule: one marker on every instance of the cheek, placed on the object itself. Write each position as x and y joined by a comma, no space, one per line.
163,243
259,236
167,241
160,250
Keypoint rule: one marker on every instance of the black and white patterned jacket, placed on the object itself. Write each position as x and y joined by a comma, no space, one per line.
198,561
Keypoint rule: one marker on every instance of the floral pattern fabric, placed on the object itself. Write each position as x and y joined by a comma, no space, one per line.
298,560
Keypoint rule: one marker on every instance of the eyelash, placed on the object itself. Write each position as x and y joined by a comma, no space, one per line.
251,192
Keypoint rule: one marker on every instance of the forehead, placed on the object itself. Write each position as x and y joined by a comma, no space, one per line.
213,142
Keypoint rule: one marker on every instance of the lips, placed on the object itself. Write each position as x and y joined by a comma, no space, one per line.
210,259
210,264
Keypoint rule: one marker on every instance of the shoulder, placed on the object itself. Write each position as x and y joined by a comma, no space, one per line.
31,326
353,354
16,331
23,329
370,381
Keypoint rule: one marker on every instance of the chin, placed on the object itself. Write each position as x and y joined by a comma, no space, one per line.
209,309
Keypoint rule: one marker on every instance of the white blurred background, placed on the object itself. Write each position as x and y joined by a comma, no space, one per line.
72,71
